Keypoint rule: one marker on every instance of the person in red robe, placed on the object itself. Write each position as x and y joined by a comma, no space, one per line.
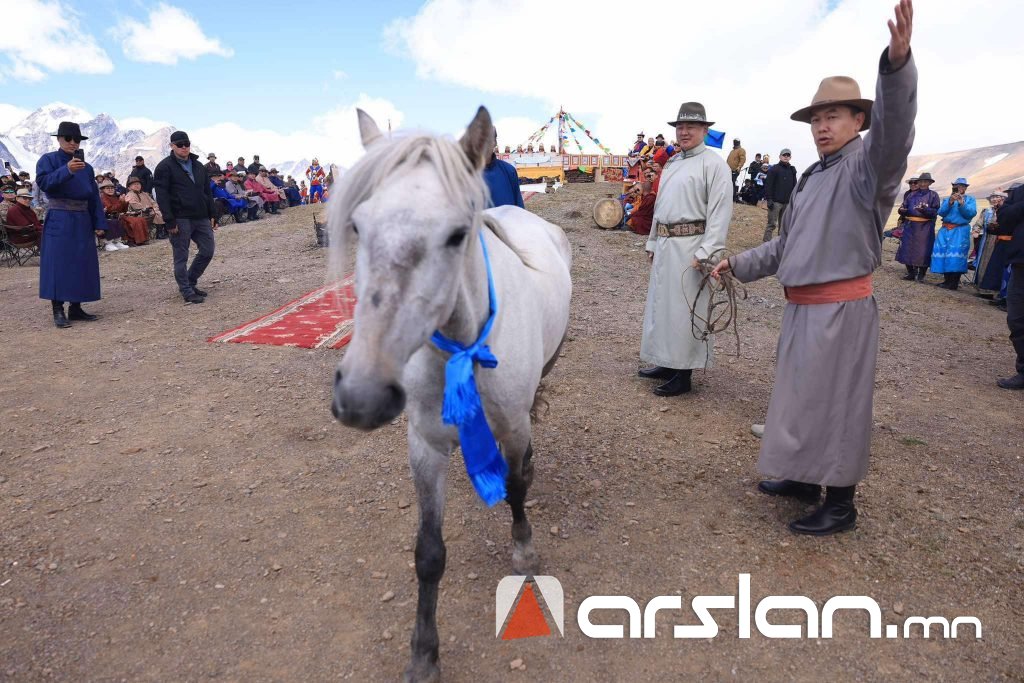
643,215
21,214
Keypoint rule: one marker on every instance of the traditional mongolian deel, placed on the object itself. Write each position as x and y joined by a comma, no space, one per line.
918,228
953,242
992,252
818,428
696,189
69,268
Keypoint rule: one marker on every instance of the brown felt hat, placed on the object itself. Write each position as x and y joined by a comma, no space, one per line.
836,90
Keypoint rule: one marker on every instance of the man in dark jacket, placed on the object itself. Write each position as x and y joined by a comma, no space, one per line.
778,186
254,167
186,202
1011,217
144,174
755,167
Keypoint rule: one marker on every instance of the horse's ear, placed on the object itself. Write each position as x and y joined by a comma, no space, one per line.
368,129
478,140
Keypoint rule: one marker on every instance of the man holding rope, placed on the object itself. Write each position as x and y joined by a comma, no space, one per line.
818,429
691,220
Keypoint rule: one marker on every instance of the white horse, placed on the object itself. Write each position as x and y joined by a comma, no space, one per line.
417,206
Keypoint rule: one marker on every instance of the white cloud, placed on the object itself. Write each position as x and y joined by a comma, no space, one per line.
11,115
339,75
42,37
171,35
751,64
146,125
333,137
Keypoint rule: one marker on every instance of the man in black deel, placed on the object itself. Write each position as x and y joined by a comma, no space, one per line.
186,202
778,186
1011,216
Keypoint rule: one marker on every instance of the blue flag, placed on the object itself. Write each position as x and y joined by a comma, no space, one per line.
714,138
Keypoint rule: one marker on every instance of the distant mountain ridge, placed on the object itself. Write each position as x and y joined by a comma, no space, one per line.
109,147
985,168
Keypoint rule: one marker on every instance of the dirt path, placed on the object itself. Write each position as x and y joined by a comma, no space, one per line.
179,510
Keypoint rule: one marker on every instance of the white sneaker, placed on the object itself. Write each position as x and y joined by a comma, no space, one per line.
121,245
757,430
110,246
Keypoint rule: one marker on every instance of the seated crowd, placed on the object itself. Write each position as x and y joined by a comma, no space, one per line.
246,193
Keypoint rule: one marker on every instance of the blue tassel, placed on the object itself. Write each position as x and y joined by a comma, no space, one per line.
463,405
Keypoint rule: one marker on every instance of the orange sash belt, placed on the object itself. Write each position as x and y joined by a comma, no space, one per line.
918,219
831,292
951,226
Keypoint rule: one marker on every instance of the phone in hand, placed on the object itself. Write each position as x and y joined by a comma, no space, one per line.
79,154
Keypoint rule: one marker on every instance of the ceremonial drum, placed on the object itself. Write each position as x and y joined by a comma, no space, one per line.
608,213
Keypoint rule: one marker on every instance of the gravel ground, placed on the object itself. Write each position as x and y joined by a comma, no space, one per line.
179,510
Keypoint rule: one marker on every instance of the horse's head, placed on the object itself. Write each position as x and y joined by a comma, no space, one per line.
414,204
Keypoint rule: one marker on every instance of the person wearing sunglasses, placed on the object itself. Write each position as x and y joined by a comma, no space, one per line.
186,203
69,268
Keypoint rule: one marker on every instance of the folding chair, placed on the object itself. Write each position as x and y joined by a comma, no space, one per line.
18,244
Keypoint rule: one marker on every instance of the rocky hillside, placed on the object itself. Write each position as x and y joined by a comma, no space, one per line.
986,168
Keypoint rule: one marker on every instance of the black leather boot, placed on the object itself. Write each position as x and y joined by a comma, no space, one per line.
59,319
75,312
679,384
911,273
656,372
921,272
835,515
807,493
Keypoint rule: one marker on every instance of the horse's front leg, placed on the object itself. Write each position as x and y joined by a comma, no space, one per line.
429,471
519,455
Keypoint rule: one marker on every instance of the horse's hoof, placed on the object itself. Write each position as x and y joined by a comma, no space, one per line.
525,562
422,672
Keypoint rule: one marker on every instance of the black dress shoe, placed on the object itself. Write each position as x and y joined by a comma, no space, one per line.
199,291
836,514
679,384
60,320
807,493
1015,382
656,372
76,313
194,299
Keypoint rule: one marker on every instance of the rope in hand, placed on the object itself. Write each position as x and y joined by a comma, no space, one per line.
720,312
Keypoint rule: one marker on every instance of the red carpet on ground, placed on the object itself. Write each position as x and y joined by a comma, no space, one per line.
322,319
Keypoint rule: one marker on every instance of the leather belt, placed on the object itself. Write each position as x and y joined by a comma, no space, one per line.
681,229
68,204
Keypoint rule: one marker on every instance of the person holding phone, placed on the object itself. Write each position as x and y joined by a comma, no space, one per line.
69,269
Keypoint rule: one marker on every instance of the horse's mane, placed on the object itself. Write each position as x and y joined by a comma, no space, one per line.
463,186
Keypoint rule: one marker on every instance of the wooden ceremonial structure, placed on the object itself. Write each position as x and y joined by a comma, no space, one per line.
562,164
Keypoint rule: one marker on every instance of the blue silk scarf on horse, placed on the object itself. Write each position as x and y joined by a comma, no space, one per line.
464,408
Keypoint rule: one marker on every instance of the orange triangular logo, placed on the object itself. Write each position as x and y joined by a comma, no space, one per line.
527,619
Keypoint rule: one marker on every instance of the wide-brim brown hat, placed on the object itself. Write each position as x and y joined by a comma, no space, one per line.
925,177
836,90
691,112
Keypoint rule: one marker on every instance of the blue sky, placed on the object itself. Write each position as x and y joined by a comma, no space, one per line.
283,79
300,51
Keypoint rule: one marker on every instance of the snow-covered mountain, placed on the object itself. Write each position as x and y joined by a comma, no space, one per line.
110,147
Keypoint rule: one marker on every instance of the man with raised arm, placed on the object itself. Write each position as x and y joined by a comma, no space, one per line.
818,430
